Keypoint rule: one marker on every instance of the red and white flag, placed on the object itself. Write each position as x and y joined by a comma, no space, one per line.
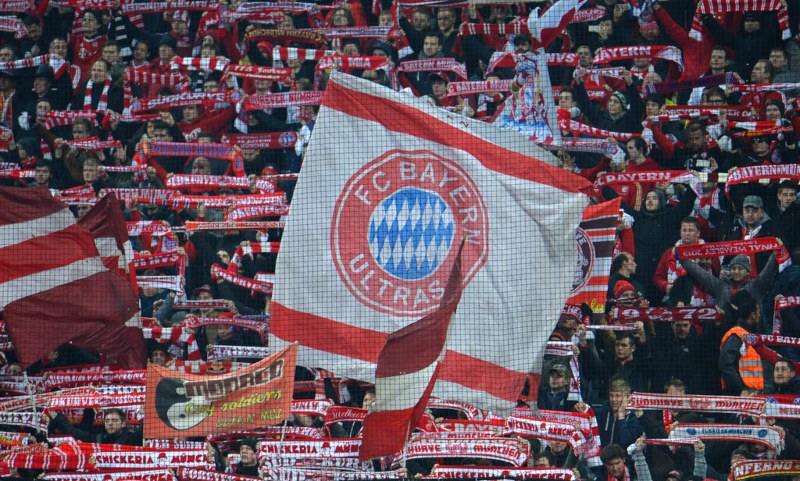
368,247
553,22
403,383
595,239
107,225
54,287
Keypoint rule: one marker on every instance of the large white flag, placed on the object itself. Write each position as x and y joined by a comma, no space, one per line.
389,187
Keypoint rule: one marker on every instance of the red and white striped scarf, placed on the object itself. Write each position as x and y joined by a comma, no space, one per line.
510,28
177,336
28,62
291,53
14,25
102,104
93,144
198,63
254,248
710,7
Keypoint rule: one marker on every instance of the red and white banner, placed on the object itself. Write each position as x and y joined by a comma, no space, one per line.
441,177
595,239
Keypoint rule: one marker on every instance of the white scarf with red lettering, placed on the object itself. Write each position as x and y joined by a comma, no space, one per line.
717,404
729,248
102,104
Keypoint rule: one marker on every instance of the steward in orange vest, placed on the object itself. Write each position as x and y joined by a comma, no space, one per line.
739,364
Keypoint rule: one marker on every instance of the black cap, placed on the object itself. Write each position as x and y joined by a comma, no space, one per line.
45,71
169,41
751,16
522,38
250,442
437,76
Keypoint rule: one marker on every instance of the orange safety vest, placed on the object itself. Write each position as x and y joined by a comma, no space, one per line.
750,368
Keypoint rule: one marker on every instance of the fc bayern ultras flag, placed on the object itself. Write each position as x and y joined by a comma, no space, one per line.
375,226
54,287
595,239
403,383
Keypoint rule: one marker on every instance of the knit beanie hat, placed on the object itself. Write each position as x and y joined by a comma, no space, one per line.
742,261
622,99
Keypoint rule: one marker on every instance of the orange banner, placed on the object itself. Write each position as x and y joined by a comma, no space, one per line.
184,405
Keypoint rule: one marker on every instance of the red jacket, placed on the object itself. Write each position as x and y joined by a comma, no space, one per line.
696,55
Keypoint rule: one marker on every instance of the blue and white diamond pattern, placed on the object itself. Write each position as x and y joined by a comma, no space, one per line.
411,232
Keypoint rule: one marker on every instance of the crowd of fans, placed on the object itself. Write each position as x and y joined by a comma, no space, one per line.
95,48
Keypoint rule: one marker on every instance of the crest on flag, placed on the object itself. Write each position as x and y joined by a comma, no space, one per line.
395,229
373,236
595,239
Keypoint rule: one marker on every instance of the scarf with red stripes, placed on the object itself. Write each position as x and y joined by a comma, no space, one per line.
102,104
711,7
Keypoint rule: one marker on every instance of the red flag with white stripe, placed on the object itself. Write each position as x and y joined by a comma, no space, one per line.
595,239
107,225
553,22
54,287
403,383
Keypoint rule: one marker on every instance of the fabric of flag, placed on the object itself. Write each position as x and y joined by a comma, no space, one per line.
546,28
403,383
54,287
530,109
375,227
107,225
595,239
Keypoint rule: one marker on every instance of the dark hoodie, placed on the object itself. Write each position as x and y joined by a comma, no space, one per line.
654,232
